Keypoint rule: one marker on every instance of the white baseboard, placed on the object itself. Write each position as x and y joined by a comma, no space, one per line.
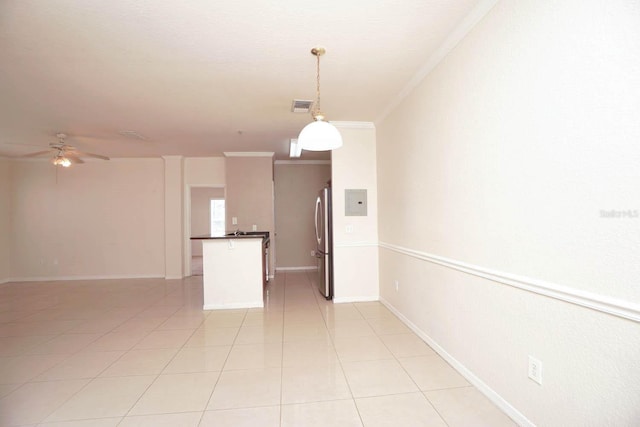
254,304
173,277
494,397
69,278
342,300
3,281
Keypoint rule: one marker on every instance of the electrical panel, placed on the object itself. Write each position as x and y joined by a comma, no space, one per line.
355,202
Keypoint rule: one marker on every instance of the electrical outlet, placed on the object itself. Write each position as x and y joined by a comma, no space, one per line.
254,227
395,282
234,220
313,253
348,229
535,370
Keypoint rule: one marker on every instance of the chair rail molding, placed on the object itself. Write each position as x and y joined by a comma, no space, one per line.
605,304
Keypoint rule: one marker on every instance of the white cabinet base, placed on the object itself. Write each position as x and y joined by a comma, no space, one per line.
232,273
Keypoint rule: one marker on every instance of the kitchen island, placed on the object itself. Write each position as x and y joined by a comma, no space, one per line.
234,269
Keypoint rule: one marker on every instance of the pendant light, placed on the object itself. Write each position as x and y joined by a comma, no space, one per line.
319,135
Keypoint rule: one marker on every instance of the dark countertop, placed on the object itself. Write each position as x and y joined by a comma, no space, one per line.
264,235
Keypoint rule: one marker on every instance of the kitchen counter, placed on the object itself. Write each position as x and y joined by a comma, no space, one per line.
234,269
236,235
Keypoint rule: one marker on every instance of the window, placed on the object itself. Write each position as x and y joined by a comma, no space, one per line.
217,216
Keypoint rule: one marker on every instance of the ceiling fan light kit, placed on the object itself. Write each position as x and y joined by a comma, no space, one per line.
319,135
65,155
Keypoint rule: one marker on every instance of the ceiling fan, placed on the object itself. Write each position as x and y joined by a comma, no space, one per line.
64,154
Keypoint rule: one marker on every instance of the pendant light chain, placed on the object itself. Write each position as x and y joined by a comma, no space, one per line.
318,84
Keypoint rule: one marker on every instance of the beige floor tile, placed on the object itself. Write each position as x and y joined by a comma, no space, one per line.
298,348
377,378
313,384
64,344
432,372
96,326
303,316
361,348
13,315
182,322
246,389
225,318
308,353
333,312
466,406
14,346
351,329
99,422
265,317
165,339
140,324
186,419
406,410
158,311
259,334
115,341
7,388
32,402
140,362
177,393
406,345
204,337
373,310
254,356
80,365
103,398
337,413
49,327
20,369
388,325
298,331
267,416
198,359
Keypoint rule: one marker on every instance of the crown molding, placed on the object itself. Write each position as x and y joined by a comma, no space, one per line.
302,162
460,31
248,153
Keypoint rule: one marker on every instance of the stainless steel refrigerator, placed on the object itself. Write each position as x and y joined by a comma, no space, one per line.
324,240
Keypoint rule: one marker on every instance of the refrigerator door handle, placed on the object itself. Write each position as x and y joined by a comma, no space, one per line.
316,220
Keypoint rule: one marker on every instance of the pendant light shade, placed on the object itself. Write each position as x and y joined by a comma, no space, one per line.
319,135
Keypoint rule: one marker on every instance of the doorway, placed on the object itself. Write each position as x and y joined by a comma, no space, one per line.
206,215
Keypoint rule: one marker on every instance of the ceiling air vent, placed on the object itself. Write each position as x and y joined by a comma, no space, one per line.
301,106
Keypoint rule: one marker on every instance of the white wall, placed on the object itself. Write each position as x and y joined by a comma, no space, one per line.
296,188
497,166
97,220
5,220
353,166
174,224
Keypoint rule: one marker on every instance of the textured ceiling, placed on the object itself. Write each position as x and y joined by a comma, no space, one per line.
201,77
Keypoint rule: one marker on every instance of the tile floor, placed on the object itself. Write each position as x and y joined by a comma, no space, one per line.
143,353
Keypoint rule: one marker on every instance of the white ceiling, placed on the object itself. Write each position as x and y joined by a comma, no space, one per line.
200,77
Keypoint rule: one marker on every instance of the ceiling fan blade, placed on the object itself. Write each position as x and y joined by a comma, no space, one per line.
37,153
84,154
74,159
